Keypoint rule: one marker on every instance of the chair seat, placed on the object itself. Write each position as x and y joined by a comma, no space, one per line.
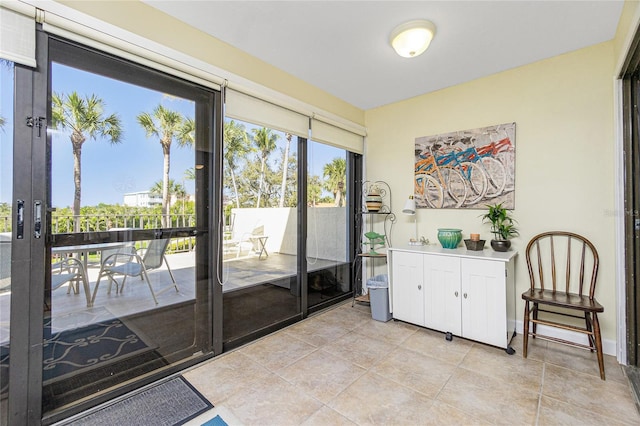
562,300
58,279
129,268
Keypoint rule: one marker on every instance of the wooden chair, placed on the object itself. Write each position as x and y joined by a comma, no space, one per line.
550,256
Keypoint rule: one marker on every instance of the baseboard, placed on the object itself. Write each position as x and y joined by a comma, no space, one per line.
608,346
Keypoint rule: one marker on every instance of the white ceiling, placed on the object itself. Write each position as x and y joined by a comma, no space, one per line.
342,46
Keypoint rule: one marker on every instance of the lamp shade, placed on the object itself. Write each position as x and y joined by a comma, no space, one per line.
412,38
409,206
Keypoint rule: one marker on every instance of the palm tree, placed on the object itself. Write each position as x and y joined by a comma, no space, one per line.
190,173
167,125
175,188
2,122
336,172
265,140
285,169
85,117
314,190
236,145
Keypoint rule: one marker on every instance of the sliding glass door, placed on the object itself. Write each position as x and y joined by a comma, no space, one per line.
260,243
117,227
329,273
6,215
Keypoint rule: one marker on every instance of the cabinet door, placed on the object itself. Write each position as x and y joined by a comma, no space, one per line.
484,304
442,293
406,287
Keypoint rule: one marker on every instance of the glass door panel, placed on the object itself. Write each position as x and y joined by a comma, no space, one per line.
260,262
328,267
6,216
124,297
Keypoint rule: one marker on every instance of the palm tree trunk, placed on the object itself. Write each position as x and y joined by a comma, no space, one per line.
235,188
285,170
77,181
262,166
166,149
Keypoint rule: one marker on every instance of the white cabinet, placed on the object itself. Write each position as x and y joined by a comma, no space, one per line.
408,291
459,292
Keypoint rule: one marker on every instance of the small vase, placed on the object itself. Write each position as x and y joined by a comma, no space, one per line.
500,245
373,199
449,238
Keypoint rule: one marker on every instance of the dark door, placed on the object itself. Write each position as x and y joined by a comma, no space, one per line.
118,204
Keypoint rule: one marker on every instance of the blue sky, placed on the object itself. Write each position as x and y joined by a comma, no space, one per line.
109,171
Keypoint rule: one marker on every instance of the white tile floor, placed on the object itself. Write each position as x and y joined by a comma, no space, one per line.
342,367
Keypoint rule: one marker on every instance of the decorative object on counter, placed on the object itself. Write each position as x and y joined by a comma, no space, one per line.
373,199
475,237
410,209
374,240
449,237
475,245
502,226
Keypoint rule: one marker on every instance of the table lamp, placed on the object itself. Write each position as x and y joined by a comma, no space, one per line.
410,209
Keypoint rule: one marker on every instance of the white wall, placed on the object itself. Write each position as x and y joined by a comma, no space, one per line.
563,109
326,230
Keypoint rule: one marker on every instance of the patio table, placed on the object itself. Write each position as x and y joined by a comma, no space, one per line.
261,240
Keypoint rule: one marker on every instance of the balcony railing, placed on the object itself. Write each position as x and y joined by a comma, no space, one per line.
104,222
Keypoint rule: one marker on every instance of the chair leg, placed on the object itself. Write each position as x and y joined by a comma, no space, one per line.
146,278
171,274
589,328
525,334
95,289
535,317
598,343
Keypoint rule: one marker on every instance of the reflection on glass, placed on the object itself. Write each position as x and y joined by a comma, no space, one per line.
328,268
259,246
122,163
6,203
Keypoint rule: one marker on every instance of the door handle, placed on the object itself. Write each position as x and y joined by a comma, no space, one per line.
20,219
37,219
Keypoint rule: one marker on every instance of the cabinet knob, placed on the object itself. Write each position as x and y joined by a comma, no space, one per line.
419,287
465,295
456,293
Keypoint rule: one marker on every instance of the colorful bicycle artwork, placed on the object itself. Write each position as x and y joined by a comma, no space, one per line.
466,169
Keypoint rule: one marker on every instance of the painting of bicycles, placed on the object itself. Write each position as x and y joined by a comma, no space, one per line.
466,169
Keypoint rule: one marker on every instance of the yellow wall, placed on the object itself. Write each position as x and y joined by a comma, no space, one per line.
563,109
564,113
143,20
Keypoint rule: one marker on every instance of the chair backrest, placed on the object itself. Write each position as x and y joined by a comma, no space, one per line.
153,256
564,262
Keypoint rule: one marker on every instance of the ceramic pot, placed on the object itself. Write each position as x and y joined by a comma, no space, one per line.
449,238
373,199
500,245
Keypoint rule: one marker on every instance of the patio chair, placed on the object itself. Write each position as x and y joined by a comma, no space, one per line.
135,265
70,270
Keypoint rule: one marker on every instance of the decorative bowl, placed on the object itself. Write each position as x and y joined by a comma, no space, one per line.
475,245
449,237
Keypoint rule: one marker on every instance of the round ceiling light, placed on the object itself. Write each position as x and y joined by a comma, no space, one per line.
412,38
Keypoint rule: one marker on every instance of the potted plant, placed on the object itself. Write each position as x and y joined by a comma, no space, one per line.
502,226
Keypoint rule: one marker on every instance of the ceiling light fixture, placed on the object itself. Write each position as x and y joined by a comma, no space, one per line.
412,38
